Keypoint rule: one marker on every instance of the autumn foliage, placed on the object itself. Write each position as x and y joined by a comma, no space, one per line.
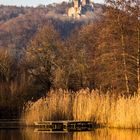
40,52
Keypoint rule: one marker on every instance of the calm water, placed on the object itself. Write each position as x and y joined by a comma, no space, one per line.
99,134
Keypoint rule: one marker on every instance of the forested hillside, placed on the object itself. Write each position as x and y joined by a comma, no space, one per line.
42,49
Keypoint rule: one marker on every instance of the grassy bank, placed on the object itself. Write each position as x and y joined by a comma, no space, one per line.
85,105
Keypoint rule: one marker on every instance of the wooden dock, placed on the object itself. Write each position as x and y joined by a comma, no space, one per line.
65,126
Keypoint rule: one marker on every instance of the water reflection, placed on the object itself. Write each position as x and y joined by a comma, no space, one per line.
114,134
98,134
42,135
10,134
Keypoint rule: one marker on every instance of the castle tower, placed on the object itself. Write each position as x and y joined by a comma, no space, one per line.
80,7
83,2
77,3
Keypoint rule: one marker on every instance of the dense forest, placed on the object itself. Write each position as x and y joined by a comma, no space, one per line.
42,49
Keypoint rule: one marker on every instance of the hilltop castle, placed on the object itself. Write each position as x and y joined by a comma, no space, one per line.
80,7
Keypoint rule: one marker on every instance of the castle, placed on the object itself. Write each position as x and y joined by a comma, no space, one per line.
80,7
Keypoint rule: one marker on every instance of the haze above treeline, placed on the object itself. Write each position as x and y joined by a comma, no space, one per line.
35,2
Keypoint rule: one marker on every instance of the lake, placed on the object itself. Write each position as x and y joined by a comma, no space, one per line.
98,134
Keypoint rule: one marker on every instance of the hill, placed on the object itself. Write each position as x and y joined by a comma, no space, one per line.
19,24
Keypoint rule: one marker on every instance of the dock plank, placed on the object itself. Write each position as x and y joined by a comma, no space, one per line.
65,125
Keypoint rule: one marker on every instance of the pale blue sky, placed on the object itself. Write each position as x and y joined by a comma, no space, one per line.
34,2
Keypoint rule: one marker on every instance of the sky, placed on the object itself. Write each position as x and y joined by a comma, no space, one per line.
34,2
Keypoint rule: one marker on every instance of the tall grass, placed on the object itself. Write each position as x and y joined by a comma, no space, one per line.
86,105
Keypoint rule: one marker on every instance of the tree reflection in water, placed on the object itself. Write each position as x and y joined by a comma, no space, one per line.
98,134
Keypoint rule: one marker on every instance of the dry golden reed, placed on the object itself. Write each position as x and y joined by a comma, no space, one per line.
85,105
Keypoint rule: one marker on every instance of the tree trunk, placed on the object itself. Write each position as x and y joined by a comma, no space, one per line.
138,62
124,63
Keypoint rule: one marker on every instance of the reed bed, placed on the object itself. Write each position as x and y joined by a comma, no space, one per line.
85,105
